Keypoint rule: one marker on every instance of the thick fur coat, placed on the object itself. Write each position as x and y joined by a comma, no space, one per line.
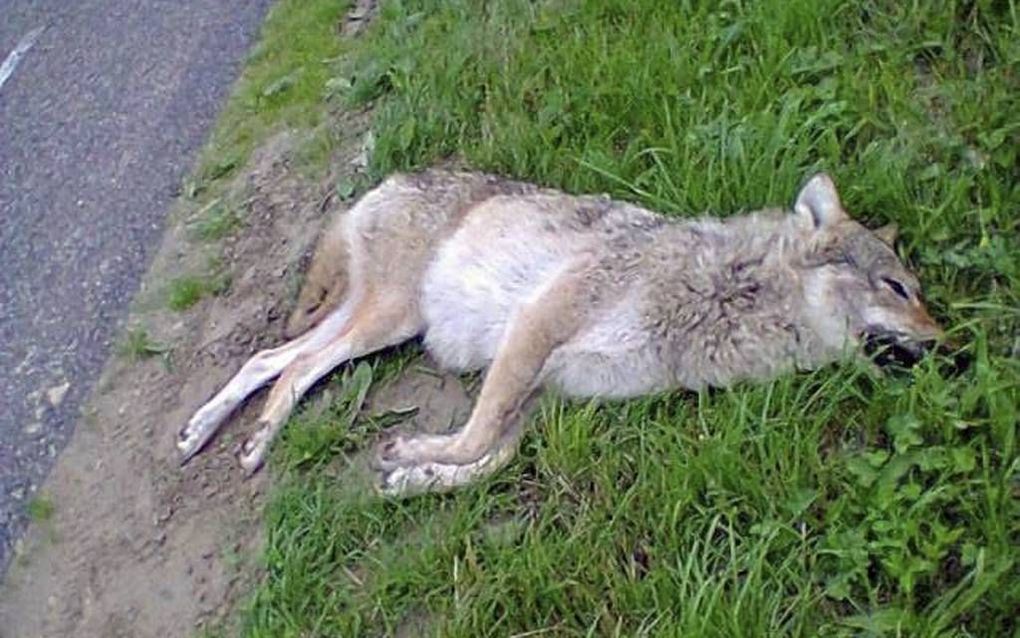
595,297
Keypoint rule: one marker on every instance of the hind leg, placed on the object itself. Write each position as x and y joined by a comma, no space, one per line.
372,327
256,372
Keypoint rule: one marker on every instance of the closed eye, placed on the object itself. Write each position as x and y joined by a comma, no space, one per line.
896,287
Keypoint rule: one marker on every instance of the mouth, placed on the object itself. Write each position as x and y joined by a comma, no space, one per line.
887,348
898,350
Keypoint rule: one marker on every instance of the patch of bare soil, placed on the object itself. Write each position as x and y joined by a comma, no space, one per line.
358,17
137,545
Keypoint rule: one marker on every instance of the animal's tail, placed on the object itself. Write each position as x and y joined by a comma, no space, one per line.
325,283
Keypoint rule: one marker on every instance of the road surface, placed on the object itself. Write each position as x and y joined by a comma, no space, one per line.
103,106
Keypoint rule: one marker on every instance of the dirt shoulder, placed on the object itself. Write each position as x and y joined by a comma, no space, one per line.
137,545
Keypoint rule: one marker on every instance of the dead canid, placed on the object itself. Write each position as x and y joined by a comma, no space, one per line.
592,296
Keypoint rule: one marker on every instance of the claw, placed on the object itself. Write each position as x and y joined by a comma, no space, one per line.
252,466
407,480
386,456
193,437
200,429
383,463
252,454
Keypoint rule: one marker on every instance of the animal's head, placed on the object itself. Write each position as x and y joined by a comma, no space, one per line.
856,288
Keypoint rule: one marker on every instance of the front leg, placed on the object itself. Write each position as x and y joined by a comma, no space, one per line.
514,377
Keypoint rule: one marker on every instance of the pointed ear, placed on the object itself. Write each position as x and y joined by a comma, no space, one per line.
818,203
887,233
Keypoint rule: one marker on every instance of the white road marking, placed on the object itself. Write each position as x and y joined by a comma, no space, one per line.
26,43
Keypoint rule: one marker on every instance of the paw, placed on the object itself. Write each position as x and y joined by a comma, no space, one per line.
396,450
252,454
407,480
200,428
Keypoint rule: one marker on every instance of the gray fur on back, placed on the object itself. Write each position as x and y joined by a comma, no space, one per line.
723,300
717,300
691,302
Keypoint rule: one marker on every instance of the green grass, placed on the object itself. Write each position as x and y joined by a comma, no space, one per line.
215,221
40,510
833,503
187,290
137,344
282,85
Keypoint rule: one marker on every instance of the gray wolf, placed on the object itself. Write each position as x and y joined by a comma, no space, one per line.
591,296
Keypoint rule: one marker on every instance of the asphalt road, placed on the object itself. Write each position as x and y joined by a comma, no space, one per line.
99,122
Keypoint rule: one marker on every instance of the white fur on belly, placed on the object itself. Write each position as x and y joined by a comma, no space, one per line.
473,290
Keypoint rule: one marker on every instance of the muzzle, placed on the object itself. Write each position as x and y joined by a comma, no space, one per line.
899,350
